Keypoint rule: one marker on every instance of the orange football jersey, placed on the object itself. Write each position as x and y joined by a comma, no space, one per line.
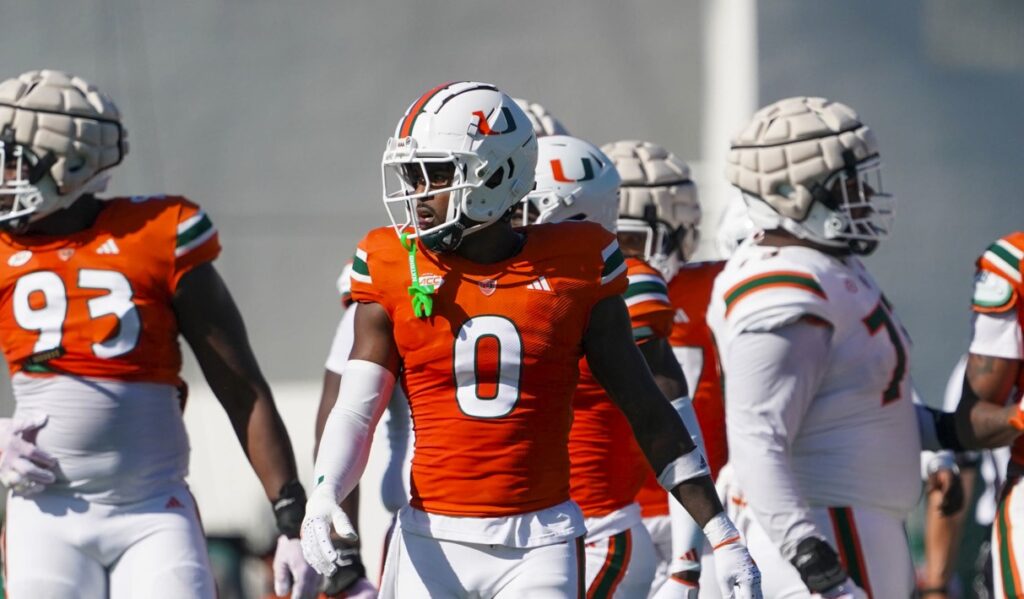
690,293
1003,259
491,373
97,303
608,467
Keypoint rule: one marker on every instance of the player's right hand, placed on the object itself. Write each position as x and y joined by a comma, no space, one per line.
822,572
738,576
322,510
24,468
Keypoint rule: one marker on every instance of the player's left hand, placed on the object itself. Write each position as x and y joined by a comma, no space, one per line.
291,572
322,510
24,468
945,479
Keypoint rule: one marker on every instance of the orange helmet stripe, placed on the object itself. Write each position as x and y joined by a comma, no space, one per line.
417,108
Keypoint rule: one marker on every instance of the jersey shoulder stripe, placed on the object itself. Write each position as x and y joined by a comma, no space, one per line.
193,232
769,280
360,268
614,262
1003,258
644,288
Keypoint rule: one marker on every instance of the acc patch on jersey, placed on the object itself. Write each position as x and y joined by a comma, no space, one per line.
992,293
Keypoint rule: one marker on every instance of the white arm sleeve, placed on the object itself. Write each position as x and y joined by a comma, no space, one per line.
997,335
348,433
772,380
686,533
341,347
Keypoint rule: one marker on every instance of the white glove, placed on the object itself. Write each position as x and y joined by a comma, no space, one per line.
24,468
847,590
738,576
291,572
322,510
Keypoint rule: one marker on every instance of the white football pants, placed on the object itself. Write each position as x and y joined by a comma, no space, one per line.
57,546
419,566
872,545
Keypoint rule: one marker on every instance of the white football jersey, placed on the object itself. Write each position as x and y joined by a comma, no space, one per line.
857,443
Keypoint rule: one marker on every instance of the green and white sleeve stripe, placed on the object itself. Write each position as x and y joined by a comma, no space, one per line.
360,268
193,232
614,263
1004,256
644,288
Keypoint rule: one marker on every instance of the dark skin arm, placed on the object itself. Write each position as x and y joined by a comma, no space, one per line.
329,397
982,418
623,372
211,324
663,365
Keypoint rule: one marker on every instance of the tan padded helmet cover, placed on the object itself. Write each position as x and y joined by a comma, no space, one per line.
653,175
543,122
52,111
791,146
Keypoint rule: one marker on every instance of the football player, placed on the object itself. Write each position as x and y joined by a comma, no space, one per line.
823,438
394,492
576,181
985,417
489,324
95,294
658,221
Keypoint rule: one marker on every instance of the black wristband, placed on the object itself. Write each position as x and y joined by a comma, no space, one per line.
818,565
290,509
945,430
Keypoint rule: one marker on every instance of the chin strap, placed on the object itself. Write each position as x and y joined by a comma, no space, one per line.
422,302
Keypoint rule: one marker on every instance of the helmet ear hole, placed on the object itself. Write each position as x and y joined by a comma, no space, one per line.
495,179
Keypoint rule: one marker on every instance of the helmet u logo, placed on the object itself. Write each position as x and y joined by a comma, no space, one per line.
559,174
485,128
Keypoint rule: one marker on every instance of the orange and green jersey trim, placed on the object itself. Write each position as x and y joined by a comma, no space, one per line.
614,262
360,268
772,280
1003,258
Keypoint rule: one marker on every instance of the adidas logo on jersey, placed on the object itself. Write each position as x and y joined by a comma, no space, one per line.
173,503
108,247
541,284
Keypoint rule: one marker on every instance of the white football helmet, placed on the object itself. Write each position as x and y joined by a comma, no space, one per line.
657,198
480,140
543,122
58,137
809,166
575,181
